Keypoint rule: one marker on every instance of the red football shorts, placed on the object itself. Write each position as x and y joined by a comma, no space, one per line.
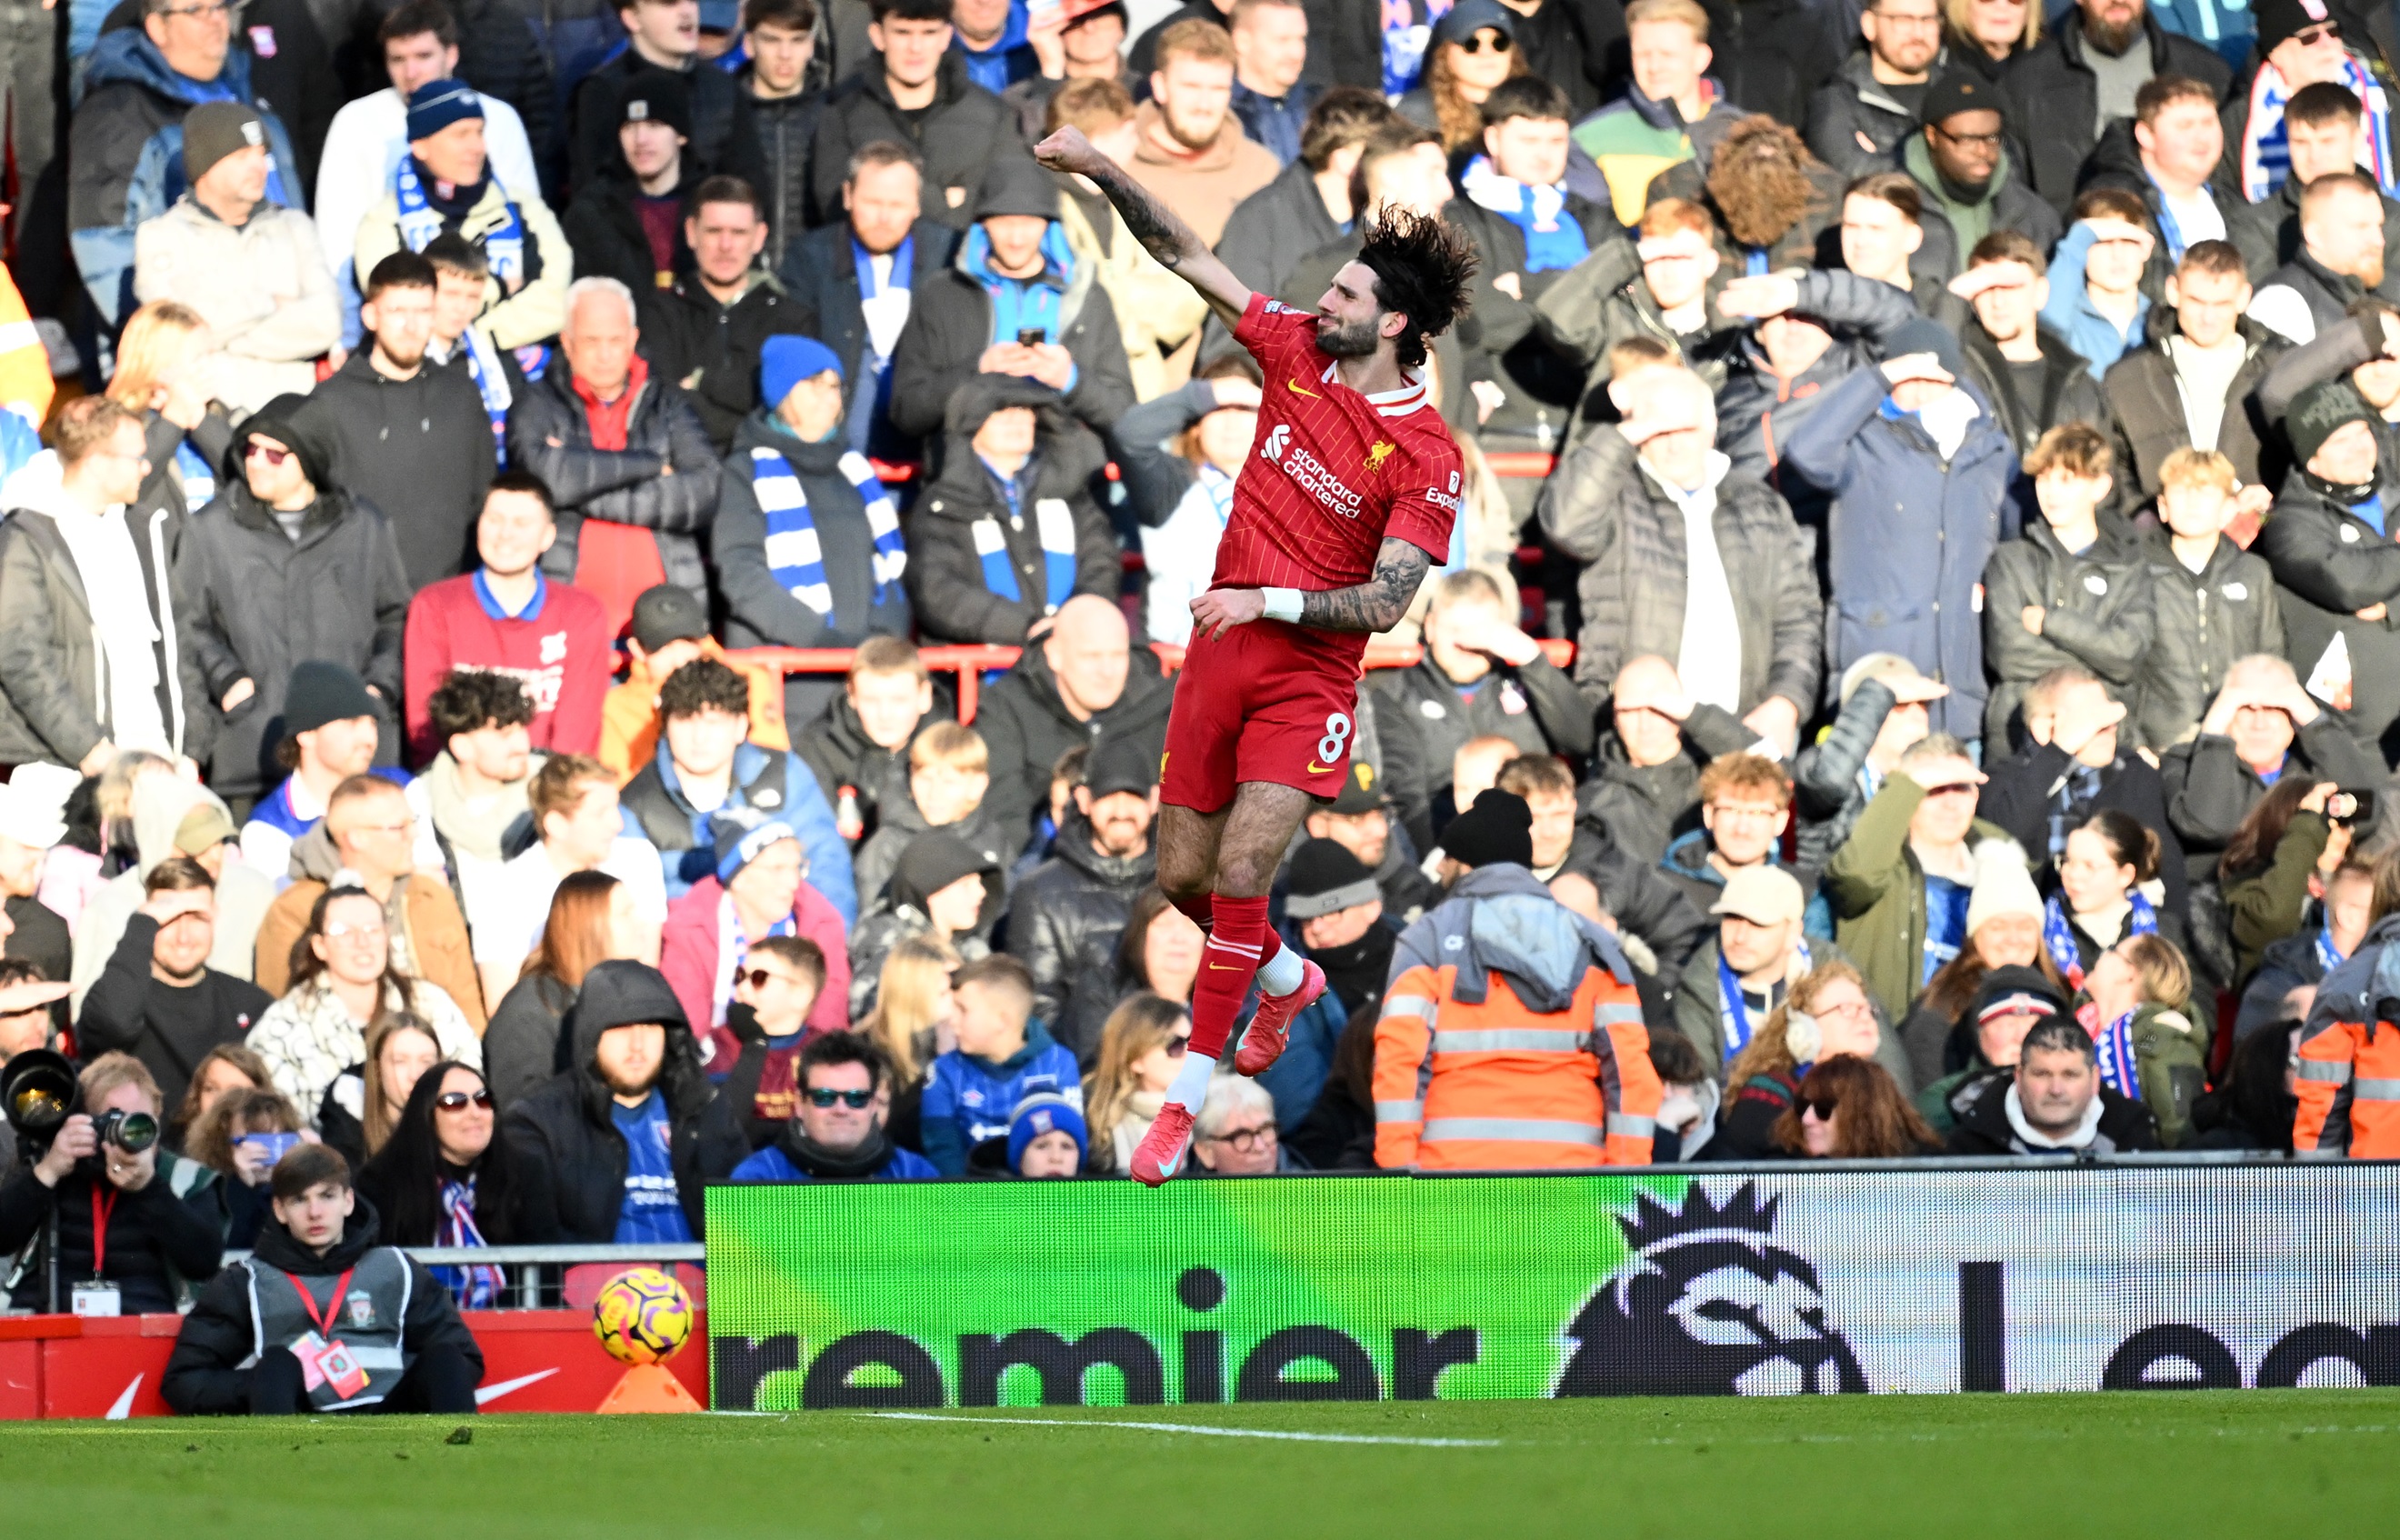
1266,702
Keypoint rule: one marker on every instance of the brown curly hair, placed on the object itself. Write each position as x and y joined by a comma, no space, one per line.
1759,180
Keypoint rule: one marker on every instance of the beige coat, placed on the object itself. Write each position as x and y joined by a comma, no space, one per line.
1155,309
536,310
1202,188
263,287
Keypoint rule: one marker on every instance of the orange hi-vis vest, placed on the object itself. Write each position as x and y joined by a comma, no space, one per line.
24,363
1468,1077
2349,1086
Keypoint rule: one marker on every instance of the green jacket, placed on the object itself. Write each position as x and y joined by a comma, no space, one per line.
2169,1064
2264,906
1877,893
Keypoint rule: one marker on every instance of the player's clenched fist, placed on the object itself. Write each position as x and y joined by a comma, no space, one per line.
1220,608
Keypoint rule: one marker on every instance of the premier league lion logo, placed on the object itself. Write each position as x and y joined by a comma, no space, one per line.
1707,1305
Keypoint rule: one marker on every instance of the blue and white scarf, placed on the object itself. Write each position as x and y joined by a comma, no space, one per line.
491,379
793,552
2266,141
477,1286
2058,934
199,480
2117,1069
1053,523
1733,1012
419,222
2329,957
1552,242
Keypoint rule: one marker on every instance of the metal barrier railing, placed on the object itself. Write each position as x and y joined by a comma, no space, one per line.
537,1275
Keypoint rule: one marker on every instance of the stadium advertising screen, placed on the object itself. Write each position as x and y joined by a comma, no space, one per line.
899,1295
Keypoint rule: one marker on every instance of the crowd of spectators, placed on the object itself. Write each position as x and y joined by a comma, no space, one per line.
1967,447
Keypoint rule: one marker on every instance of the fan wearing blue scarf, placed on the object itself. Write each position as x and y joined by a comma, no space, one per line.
802,380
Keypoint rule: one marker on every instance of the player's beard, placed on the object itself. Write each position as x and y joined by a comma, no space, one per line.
1348,340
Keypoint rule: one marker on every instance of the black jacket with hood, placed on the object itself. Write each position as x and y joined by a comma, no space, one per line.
836,746
252,601
950,318
712,350
723,139
946,571
2329,564
2146,411
957,137
929,863
621,486
571,1160
2125,1126
2204,620
421,450
2067,391
995,839
1027,726
2097,615
759,611
208,1372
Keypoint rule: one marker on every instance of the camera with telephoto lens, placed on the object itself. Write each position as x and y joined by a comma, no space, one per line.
131,1132
2350,807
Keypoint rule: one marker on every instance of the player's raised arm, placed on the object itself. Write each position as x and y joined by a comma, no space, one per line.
1375,605
1161,233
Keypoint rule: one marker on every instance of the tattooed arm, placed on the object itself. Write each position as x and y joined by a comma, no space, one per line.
1161,232
1375,605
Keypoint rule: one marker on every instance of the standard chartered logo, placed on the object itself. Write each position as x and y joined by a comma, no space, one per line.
1277,440
1309,472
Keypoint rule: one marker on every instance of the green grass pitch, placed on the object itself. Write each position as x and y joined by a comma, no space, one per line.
2182,1465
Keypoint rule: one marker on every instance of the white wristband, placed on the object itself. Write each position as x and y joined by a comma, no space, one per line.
1283,604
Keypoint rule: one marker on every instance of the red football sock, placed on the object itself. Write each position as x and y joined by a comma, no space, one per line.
1228,964
1199,908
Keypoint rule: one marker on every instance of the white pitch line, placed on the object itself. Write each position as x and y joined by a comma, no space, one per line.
1206,1431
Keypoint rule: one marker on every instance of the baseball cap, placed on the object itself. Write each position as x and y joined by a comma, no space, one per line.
1953,94
1358,793
1764,895
1121,764
668,613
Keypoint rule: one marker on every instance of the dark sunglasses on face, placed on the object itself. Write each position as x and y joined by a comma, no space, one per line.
2308,38
819,1096
1477,44
257,451
1175,1046
456,1101
759,977
1822,1106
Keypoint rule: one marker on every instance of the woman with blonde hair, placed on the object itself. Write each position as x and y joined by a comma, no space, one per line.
363,1105
1472,49
1141,1048
1986,36
1827,1013
911,1023
158,377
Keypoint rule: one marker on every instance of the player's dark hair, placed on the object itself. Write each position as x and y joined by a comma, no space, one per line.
1421,267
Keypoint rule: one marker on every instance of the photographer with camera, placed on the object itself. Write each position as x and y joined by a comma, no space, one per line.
126,1243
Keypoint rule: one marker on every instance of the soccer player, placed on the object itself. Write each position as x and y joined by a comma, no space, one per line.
1347,501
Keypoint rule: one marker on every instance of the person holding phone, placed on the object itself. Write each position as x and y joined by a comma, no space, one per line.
158,998
239,1139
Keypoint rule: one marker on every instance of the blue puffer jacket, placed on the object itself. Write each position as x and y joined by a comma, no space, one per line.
125,155
1908,536
969,1098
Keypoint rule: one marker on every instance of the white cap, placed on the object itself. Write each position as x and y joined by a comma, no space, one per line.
28,817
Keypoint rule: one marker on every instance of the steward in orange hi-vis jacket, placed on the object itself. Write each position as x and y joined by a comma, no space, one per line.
2349,1057
1512,1038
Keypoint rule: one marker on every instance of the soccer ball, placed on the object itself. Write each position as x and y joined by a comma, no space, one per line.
642,1317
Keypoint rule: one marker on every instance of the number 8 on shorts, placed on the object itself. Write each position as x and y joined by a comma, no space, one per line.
1337,737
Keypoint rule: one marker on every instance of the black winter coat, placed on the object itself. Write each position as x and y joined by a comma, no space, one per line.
1855,124
252,603
1425,721
995,839
54,691
2067,392
946,575
1027,727
712,350
2018,800
570,1160
2329,564
2098,616
759,610
1770,55
421,449
820,273
836,746
786,127
2125,1126
949,326
157,1241
1065,917
2268,233
723,138
603,229
1606,513
524,1045
168,1027
2210,791
1641,809
206,1375
2054,100
2204,621
2146,413
622,486
956,136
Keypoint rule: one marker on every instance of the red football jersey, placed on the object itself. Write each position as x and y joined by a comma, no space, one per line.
1332,471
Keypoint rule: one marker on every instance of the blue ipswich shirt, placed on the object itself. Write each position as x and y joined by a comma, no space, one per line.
654,1210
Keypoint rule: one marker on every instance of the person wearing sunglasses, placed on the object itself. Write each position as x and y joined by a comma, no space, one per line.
441,1178
836,1133
1851,1108
776,987
1472,50
711,947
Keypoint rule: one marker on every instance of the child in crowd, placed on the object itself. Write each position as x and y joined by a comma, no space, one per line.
1047,1138
1003,1057
2213,601
776,985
